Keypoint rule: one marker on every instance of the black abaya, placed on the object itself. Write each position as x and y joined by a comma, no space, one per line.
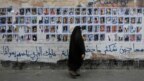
76,49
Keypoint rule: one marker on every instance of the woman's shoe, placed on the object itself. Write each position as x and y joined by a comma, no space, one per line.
73,74
77,74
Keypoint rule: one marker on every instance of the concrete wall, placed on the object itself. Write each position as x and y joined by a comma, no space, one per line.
44,51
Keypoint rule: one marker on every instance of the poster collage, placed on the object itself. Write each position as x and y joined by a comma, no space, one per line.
53,24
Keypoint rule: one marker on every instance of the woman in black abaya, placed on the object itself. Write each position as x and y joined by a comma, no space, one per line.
76,51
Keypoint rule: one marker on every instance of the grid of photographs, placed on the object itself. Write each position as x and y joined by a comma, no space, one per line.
97,24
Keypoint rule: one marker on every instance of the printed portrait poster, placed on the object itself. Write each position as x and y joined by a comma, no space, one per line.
71,27
21,31
59,29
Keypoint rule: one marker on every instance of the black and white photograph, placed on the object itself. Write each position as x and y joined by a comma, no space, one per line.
114,11
89,11
71,11
90,28
138,37
108,29
120,20
77,20
108,20
90,37
9,37
27,20
133,20
34,37
126,20
21,20
46,20
47,37
41,29
102,37
90,20
126,37
96,20
34,29
16,29
102,20
34,11
10,29
65,28
139,20
102,11
41,20
65,20
59,11
27,37
65,11
59,20
96,11
114,20
21,11
59,37
96,28
83,20
84,28
9,20
2,20
77,11
120,28
3,11
34,20
2,29
96,37
83,11
28,11
65,38
40,11
28,29
52,20
71,20
52,28
46,28
108,11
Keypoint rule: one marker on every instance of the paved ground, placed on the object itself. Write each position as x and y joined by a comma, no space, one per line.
62,75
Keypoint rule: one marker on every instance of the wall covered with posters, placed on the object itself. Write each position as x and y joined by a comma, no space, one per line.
43,33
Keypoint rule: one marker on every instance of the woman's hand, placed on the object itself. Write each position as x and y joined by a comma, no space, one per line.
83,55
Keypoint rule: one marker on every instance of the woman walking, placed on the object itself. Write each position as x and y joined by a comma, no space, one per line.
76,52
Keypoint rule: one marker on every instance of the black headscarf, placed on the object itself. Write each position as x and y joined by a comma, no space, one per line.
76,34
